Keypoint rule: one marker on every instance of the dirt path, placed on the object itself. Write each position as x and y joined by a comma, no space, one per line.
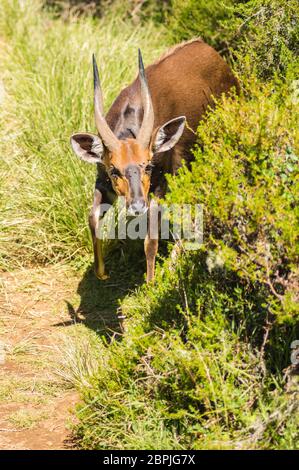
35,402
51,320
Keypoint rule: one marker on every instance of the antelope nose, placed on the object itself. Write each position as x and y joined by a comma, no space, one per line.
137,207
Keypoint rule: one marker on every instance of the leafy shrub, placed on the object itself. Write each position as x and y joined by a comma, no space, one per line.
192,18
186,373
269,31
265,30
246,174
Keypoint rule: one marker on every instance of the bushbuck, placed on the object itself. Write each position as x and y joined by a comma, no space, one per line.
143,135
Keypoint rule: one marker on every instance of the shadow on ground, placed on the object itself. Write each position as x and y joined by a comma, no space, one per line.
100,300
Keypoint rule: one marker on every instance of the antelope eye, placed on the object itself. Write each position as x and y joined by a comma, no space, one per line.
148,168
114,173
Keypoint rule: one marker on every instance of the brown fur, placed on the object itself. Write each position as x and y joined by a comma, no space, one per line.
182,82
175,48
130,153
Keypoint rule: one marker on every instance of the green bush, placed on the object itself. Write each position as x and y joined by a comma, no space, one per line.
192,18
266,30
246,174
189,371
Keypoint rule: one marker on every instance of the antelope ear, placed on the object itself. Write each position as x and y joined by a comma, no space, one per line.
88,147
168,135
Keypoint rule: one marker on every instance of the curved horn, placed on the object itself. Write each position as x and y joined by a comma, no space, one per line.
106,134
146,129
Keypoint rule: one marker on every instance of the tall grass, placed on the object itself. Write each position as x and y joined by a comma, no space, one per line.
46,73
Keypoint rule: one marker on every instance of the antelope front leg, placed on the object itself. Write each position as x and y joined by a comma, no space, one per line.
151,249
151,241
94,225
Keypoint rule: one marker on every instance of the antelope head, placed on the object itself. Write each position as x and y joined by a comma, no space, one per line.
128,162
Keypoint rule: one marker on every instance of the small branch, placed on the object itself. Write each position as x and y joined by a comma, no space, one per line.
250,18
268,282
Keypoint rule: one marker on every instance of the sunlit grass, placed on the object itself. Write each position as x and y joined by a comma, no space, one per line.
78,357
26,419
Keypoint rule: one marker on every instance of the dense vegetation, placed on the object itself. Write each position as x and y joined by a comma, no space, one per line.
205,357
265,30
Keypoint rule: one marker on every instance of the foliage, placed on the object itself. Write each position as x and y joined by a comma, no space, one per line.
189,371
135,10
269,31
194,18
266,30
246,175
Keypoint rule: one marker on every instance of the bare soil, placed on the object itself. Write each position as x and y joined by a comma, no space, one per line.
35,403
50,318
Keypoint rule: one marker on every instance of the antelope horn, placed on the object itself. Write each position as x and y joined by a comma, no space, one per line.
146,129
106,134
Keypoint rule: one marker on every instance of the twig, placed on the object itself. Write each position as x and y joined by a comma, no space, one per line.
267,329
262,9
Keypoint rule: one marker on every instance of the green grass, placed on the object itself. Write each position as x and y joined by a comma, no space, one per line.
46,72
